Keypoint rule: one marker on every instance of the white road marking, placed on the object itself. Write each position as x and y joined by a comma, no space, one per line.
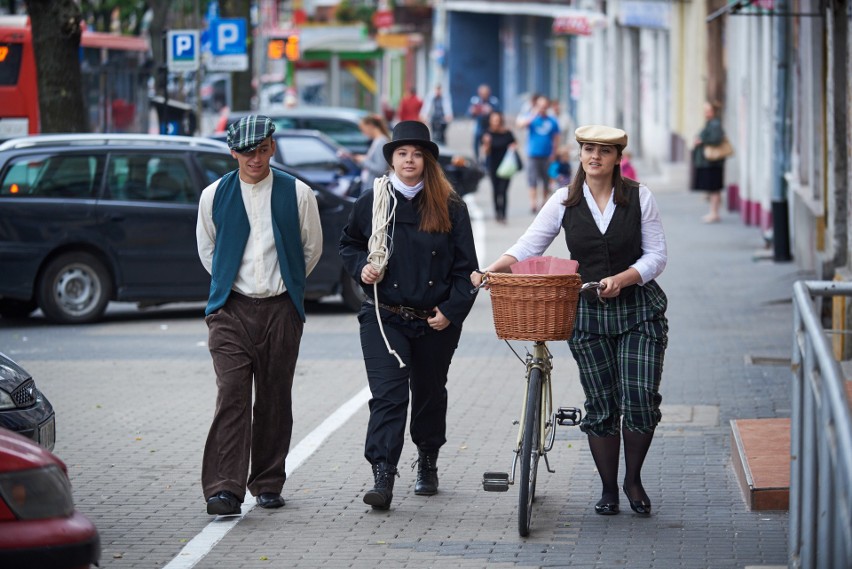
204,542
477,222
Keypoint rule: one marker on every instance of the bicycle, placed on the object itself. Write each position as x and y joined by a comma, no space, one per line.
536,430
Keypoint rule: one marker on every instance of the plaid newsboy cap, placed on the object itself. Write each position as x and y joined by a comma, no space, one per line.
247,133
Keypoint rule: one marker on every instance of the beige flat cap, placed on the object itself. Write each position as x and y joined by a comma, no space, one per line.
598,134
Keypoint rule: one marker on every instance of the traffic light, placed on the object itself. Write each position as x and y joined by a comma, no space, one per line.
281,48
291,50
275,49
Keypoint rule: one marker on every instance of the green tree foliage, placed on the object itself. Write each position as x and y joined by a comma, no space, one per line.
117,16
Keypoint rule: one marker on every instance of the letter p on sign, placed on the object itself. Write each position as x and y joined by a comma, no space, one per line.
183,53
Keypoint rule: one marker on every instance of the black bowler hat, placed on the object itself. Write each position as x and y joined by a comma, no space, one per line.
409,132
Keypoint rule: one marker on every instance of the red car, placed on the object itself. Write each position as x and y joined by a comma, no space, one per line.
39,527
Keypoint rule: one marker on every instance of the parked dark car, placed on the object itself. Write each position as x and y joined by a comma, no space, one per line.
39,525
317,158
85,219
23,408
342,124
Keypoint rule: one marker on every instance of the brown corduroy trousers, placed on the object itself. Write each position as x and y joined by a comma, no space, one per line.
251,341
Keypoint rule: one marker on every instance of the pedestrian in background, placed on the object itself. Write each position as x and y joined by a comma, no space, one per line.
373,163
437,112
566,124
542,141
415,275
627,169
709,176
409,106
479,109
613,229
496,141
559,170
259,236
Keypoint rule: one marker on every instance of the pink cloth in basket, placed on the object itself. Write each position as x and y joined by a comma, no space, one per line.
545,266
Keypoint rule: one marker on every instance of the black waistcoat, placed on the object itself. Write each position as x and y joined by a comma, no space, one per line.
607,254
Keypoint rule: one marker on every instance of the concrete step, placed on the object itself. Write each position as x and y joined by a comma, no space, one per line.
760,453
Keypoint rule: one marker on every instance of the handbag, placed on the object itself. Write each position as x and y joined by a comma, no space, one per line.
714,153
509,165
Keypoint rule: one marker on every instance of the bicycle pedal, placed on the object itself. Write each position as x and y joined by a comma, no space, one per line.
495,481
570,416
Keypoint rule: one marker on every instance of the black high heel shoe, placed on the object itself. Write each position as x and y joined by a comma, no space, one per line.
639,506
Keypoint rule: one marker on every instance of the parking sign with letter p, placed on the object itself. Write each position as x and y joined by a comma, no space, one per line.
183,50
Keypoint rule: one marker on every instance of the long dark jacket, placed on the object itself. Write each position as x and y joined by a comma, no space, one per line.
711,134
425,270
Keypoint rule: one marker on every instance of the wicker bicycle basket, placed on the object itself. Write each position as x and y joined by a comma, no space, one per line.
534,307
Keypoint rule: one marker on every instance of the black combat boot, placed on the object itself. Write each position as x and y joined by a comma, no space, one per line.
382,493
427,474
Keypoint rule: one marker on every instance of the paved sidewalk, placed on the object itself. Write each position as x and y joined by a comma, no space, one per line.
135,468
726,304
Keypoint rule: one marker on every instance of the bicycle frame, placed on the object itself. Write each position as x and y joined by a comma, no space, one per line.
542,359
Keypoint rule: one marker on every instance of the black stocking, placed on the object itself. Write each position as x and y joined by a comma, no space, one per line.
605,451
635,449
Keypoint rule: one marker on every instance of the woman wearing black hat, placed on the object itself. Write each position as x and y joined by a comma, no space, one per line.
410,245
613,229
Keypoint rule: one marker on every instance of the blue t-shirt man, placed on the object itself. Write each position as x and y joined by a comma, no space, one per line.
542,133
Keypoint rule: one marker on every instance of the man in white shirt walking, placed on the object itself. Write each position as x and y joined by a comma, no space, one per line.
259,236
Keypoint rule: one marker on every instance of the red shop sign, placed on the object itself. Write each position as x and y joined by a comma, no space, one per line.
574,25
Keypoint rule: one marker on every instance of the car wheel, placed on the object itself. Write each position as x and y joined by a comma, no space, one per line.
352,294
74,289
10,308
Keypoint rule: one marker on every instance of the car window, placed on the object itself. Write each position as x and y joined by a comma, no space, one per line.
214,166
282,123
149,177
304,151
52,176
345,132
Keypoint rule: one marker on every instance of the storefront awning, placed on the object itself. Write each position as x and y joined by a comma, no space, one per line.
756,8
523,9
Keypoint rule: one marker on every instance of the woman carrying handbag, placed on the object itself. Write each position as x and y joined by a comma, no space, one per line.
708,160
497,142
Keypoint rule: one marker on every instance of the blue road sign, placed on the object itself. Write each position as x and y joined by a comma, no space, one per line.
184,52
228,36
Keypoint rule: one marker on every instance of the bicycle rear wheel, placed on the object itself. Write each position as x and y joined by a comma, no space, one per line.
530,446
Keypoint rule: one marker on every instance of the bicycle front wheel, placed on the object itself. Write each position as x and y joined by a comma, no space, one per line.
530,445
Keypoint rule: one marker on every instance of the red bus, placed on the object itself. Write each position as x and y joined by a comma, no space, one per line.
115,80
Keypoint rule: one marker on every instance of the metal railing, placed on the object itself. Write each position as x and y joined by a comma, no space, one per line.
821,440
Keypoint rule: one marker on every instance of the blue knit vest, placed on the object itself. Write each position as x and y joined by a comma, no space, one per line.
232,232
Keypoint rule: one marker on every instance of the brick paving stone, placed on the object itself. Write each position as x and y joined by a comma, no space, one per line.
132,431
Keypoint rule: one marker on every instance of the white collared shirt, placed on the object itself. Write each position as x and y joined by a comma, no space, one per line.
547,224
259,275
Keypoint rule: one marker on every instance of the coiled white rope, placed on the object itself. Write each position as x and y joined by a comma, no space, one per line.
380,247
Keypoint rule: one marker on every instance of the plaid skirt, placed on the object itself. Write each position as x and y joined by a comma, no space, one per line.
619,348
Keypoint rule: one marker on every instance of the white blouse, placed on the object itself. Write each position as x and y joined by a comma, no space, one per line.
547,224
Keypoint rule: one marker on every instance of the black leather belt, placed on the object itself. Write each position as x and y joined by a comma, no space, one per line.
406,312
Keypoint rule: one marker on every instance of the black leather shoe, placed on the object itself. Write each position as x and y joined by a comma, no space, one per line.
380,496
223,504
270,500
641,507
427,474
605,507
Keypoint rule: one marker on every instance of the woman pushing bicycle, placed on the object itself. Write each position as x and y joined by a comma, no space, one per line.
409,243
613,229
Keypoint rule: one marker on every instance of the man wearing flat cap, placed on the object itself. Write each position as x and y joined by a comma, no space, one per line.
259,236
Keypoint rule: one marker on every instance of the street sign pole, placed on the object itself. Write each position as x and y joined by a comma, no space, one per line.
164,70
